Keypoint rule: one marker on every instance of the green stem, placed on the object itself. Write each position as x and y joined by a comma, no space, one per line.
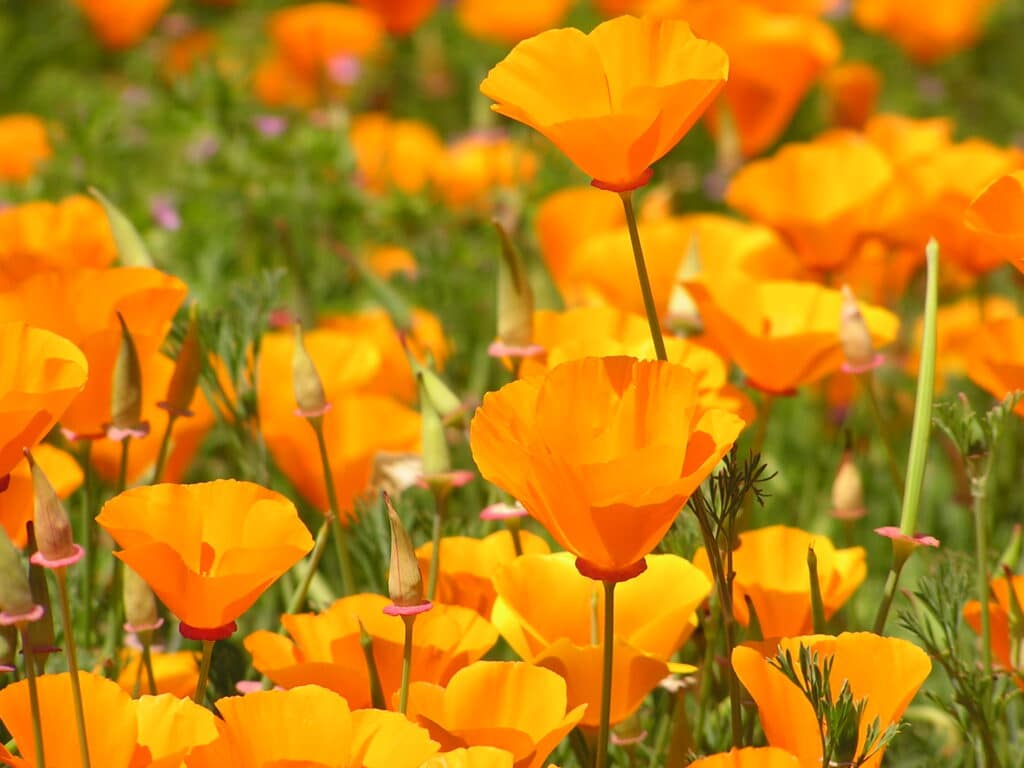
204,672
340,542
147,662
981,558
403,694
72,655
868,385
122,472
607,648
514,527
33,696
376,690
298,598
891,583
440,510
87,525
641,272
165,444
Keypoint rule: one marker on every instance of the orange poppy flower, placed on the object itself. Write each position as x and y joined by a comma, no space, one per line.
886,671
400,154
122,23
771,569
782,334
277,84
60,468
528,719
852,89
175,673
400,17
508,23
42,375
751,757
603,452
879,272
386,261
1000,612
774,59
185,52
654,617
817,195
475,166
996,218
995,358
82,305
467,567
310,35
949,26
23,146
42,235
325,649
122,733
614,101
358,425
224,544
310,727
473,757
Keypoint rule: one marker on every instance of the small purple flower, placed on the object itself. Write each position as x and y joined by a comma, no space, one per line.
931,89
136,96
164,213
271,126
344,69
203,149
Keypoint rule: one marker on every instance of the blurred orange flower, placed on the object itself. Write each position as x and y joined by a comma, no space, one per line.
477,165
995,358
782,334
614,101
122,23
386,261
60,468
817,195
325,649
23,146
122,733
310,727
996,218
41,235
82,305
400,17
473,757
312,35
175,673
208,550
654,616
508,23
603,452
949,26
886,671
184,53
751,757
528,719
468,565
852,89
771,569
276,84
402,154
42,374
1000,612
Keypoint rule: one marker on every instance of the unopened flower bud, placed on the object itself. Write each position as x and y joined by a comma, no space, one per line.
42,640
515,296
848,491
140,610
436,458
126,390
8,647
15,594
405,580
854,334
309,390
52,527
445,401
187,366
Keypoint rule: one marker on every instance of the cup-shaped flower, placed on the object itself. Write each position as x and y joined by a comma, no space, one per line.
771,569
311,727
472,757
996,217
119,24
886,671
783,334
552,616
394,154
42,374
122,733
528,719
324,649
751,757
603,452
1005,639
995,358
948,27
208,550
614,101
23,146
468,565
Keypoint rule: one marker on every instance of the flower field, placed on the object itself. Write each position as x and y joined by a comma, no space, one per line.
527,384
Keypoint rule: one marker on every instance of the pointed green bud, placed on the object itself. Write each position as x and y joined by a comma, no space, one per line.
188,364
376,690
515,296
140,611
131,249
436,458
15,594
444,399
817,604
57,547
405,580
309,389
41,638
126,390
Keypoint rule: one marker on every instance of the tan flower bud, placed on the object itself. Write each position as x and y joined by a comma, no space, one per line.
187,366
848,491
126,389
52,526
853,332
140,611
309,390
15,595
405,580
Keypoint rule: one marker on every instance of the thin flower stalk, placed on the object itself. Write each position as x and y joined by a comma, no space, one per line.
204,672
33,694
641,272
298,598
340,540
403,694
440,511
72,654
607,648
867,381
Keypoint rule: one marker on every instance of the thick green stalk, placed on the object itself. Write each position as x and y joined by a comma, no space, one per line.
403,694
72,655
341,544
607,648
165,445
204,673
641,272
